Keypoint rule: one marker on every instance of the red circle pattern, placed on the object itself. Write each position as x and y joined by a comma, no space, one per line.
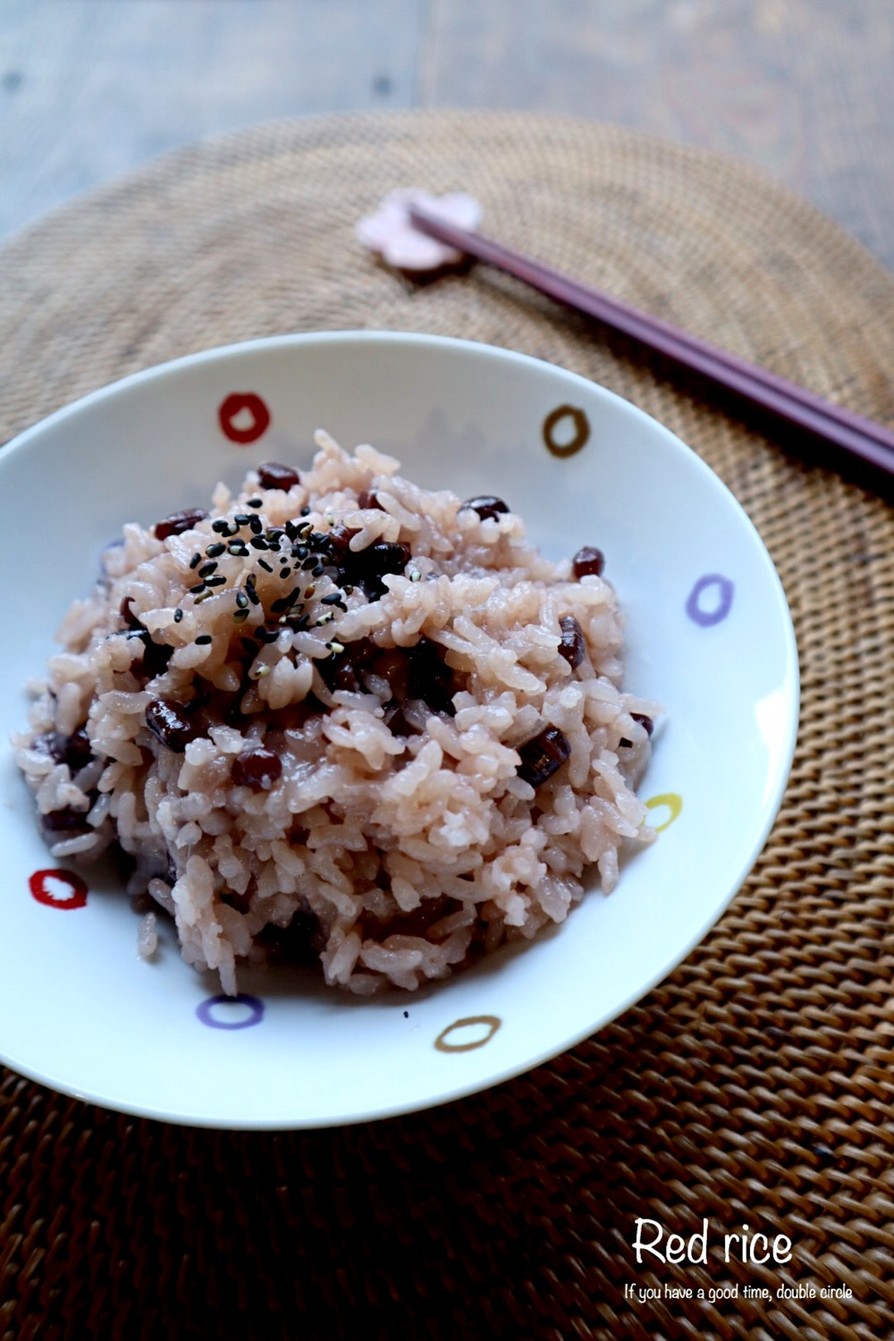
237,405
39,884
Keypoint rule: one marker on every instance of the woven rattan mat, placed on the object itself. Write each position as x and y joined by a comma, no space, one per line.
754,1086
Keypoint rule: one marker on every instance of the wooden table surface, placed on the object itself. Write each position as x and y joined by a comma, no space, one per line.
801,88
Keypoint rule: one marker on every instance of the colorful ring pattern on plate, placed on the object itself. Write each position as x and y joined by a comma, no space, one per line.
580,425
243,417
209,1011
673,801
715,612
491,1024
49,888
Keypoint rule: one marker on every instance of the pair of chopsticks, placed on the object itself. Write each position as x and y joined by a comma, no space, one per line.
862,439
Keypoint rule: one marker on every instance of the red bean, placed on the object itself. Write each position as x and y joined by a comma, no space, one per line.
272,475
257,768
572,647
543,755
178,522
486,505
393,666
154,657
73,750
397,723
368,566
368,498
431,679
170,725
645,722
67,820
126,611
301,942
588,561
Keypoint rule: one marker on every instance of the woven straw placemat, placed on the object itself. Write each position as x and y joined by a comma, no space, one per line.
754,1086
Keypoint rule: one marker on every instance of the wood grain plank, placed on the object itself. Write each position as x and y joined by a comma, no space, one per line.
89,89
802,90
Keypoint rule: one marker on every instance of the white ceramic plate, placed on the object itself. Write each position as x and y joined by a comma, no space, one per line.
709,635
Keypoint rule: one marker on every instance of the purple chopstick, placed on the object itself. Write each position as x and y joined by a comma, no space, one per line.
862,438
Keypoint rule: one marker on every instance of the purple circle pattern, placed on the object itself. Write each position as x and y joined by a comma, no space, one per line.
205,1011
725,590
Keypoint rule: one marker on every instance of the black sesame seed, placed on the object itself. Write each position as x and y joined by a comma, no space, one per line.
200,586
221,526
258,542
285,572
240,614
195,561
215,550
207,568
256,525
237,548
254,502
268,567
242,600
219,581
178,615
242,518
203,639
334,598
305,511
318,570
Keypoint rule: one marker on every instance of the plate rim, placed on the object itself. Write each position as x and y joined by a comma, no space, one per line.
22,441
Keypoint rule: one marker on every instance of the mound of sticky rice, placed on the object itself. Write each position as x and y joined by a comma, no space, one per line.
344,718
